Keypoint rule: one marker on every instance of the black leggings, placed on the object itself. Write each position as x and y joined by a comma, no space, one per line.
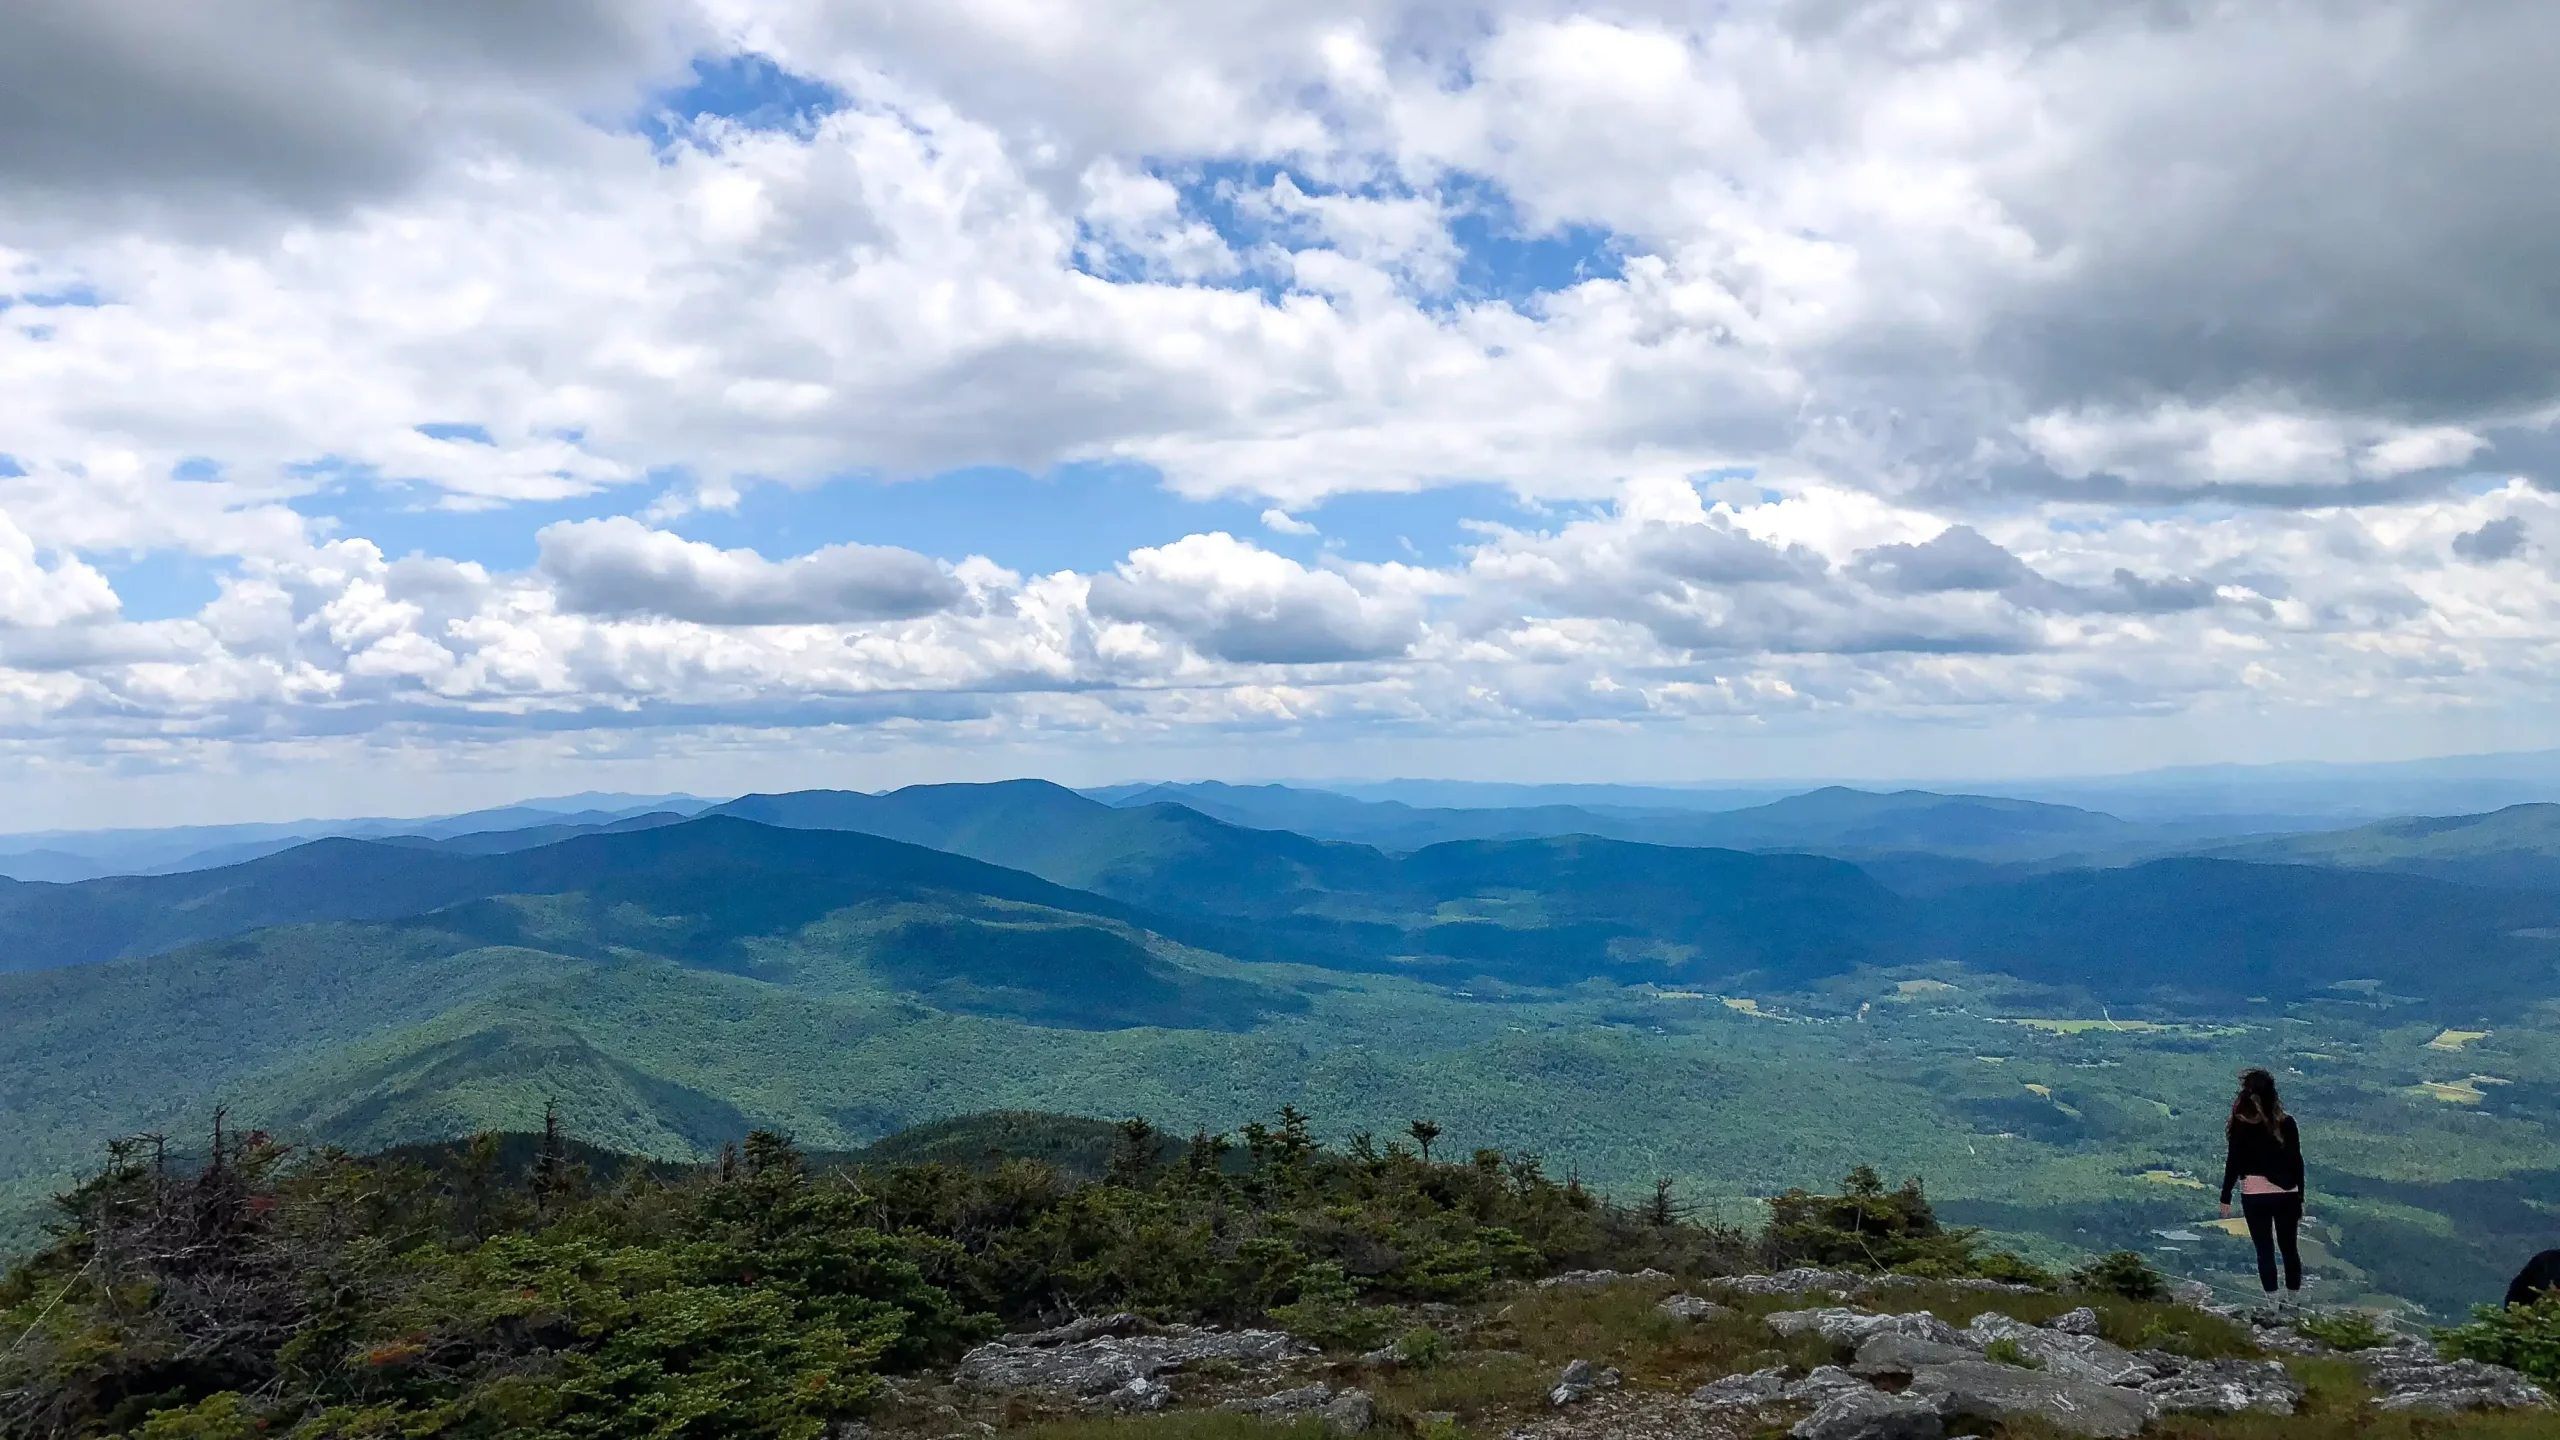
2273,1219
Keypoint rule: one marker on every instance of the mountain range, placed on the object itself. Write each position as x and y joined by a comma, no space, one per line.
842,964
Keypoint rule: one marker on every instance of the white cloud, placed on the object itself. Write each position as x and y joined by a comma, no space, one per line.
2042,360
1236,603
620,567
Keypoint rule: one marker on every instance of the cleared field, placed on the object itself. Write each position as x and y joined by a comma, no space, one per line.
2454,1040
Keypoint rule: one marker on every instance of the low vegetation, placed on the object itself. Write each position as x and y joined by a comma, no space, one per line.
508,1289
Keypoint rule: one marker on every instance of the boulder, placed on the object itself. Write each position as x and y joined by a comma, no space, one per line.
1582,1279
2083,1357
1140,1394
1892,1354
2415,1378
1344,1412
1760,1387
1579,1380
1800,1281
2225,1387
1691,1307
1871,1415
1843,1325
2083,1321
1097,1366
1350,1413
1826,1383
1981,1390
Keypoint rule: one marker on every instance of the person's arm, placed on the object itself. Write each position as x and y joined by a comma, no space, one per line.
2230,1171
2293,1142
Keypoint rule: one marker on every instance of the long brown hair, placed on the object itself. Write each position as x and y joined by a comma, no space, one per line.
2256,1104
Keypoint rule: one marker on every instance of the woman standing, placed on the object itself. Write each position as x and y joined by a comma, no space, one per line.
2264,1159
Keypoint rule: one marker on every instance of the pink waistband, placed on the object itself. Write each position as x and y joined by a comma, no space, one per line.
2261,1185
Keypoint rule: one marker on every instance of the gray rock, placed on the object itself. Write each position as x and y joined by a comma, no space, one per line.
1871,1415
2225,1387
1579,1279
2190,1292
1799,1281
2415,1378
1842,1325
1891,1354
1097,1366
2083,1321
1981,1390
1691,1307
2082,1357
1825,1383
1140,1394
1350,1413
1282,1402
1579,1380
1760,1387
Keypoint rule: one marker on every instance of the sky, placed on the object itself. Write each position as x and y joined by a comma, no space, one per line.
417,405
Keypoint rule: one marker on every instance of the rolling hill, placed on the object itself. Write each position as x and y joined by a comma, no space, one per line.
2517,847
1835,821
673,985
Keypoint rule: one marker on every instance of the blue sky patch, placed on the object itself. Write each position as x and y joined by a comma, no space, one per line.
449,430
749,90
162,584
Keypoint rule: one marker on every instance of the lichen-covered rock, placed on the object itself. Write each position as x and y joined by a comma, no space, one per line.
2224,1387
1825,1383
1140,1394
1096,1366
1351,1412
1893,1354
2083,1357
1579,1380
1871,1415
1799,1281
1846,1325
1692,1307
1982,1390
1760,1387
2415,1378
1580,1279
2083,1321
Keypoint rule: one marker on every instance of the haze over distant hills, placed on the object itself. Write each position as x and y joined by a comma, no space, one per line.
841,964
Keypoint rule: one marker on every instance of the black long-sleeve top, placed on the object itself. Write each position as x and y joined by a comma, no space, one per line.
2256,1151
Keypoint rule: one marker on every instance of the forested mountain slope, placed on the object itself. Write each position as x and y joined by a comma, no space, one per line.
2518,846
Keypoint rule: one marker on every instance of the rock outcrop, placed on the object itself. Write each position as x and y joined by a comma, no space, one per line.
2223,1387
1985,1390
1578,1382
2413,1377
1105,1363
1871,1415
1692,1307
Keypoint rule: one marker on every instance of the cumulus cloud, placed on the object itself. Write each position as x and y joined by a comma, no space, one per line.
620,567
2040,359
1233,601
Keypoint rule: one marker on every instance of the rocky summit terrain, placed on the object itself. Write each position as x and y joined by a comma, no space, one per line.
1816,1354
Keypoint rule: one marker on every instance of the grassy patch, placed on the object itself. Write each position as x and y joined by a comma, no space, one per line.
1468,1384
1619,1325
